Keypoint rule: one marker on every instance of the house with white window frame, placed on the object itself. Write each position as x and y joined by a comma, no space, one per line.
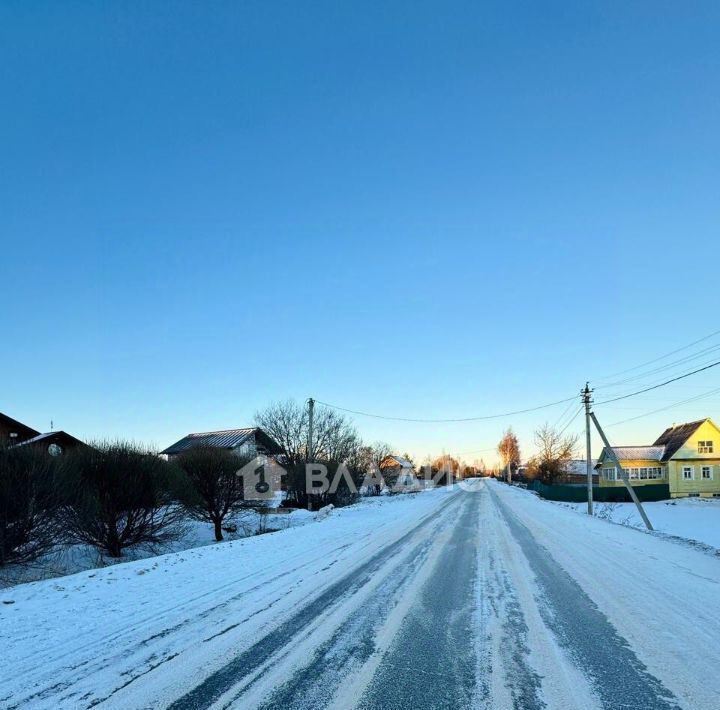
685,457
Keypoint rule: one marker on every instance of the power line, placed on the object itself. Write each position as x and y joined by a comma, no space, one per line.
550,404
443,421
662,357
662,368
651,384
572,419
669,406
662,384
563,415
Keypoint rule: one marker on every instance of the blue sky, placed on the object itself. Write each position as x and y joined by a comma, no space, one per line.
421,209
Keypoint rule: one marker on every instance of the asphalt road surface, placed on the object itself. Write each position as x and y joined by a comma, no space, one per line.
411,642
490,599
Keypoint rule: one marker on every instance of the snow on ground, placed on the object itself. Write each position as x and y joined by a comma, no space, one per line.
563,611
70,559
696,519
660,594
106,618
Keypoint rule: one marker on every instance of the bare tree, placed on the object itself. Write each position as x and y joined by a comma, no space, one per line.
215,491
31,496
335,441
287,423
124,496
509,451
334,436
555,452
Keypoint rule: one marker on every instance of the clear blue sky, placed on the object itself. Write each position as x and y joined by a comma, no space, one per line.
422,209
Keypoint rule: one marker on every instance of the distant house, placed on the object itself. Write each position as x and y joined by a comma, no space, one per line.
56,442
685,457
397,470
242,442
14,433
576,472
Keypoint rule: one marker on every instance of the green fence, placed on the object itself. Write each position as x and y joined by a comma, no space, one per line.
577,492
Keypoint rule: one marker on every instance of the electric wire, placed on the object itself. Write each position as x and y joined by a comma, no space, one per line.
662,384
663,409
658,359
442,421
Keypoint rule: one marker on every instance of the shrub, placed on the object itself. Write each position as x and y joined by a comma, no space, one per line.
214,489
123,497
32,493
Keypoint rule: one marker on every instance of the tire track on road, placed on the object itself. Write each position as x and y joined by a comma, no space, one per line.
616,674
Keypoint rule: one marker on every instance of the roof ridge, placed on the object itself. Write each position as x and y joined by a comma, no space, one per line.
223,431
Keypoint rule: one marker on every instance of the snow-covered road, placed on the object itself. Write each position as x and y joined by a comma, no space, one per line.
487,597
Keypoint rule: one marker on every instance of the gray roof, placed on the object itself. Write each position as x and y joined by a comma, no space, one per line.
636,453
226,439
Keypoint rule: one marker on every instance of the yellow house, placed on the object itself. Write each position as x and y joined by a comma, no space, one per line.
685,457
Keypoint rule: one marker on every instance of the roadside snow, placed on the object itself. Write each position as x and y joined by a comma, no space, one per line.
119,622
71,559
696,519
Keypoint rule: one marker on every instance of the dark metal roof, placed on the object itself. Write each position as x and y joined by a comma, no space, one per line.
674,437
226,439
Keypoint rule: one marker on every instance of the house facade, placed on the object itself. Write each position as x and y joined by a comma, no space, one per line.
685,458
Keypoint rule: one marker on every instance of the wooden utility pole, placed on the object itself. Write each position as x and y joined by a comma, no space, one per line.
587,400
311,414
621,472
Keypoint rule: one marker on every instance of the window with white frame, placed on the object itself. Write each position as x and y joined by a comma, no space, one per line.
707,473
635,473
643,473
688,473
609,474
705,447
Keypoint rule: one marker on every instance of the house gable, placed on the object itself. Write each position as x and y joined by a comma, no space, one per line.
683,441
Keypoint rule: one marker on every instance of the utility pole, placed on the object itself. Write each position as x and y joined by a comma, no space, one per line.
587,401
621,472
311,413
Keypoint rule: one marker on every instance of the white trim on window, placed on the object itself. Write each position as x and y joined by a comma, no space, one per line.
705,447
709,471
688,470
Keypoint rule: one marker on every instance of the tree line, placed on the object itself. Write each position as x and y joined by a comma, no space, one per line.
116,495
555,451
